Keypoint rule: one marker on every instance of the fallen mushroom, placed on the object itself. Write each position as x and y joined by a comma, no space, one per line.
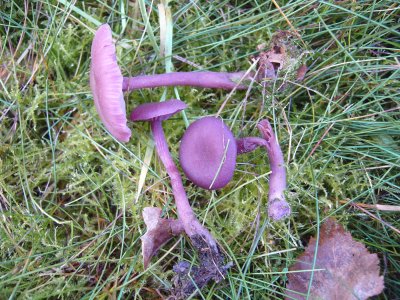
107,83
201,238
208,154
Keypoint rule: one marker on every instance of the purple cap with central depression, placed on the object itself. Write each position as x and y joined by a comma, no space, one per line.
208,153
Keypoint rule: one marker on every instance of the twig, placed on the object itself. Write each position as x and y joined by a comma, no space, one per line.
375,206
376,218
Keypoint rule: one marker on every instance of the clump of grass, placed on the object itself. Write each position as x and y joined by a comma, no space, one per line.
69,226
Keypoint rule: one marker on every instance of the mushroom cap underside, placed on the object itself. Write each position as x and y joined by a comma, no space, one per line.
106,84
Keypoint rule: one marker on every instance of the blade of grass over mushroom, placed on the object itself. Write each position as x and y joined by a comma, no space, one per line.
223,158
232,92
69,5
166,52
148,28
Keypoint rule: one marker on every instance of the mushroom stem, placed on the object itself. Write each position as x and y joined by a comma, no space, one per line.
222,80
190,223
278,208
248,144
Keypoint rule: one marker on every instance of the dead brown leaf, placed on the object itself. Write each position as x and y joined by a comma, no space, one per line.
282,59
344,268
301,72
159,231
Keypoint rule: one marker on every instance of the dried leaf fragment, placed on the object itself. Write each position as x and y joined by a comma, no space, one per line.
159,231
301,72
344,268
281,55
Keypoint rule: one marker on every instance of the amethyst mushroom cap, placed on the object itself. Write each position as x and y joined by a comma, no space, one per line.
208,153
157,110
106,84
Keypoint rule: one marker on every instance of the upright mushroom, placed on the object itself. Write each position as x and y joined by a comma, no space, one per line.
208,157
201,238
107,83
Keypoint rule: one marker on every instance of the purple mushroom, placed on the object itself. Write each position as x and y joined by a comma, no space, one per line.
210,164
201,238
155,113
107,83
208,157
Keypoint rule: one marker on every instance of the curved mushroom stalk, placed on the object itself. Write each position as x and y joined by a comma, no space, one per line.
159,231
278,208
211,260
191,224
248,144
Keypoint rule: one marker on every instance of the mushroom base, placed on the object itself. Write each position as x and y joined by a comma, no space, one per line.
190,278
278,209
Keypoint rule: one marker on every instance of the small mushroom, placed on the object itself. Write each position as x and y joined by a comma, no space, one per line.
155,113
208,154
107,83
